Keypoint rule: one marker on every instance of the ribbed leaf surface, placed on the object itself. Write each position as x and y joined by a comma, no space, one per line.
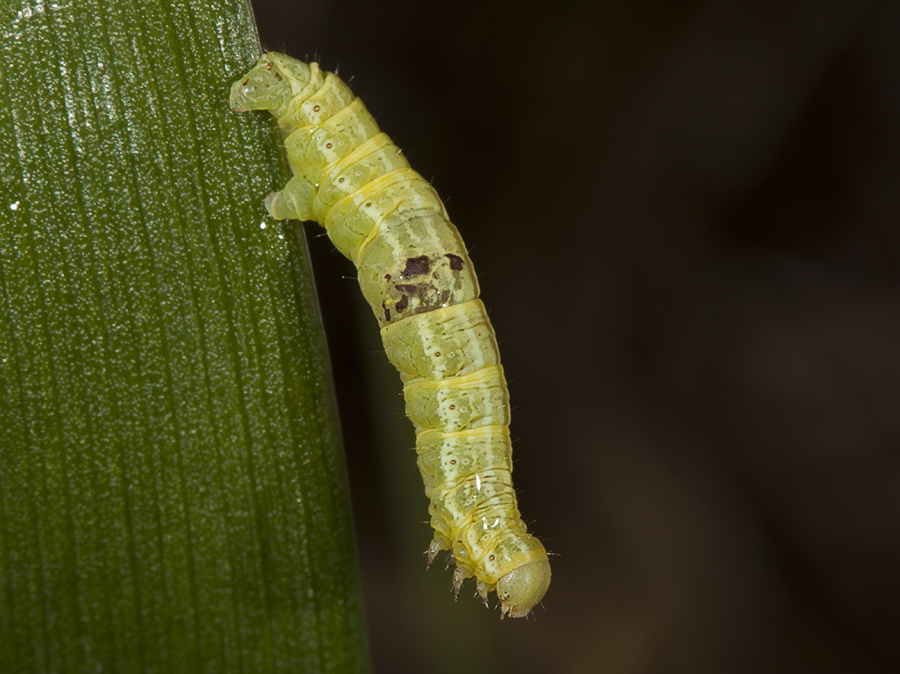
172,493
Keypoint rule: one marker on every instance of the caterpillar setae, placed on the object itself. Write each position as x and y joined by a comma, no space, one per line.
416,275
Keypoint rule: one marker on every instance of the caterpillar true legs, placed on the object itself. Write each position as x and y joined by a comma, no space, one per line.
417,276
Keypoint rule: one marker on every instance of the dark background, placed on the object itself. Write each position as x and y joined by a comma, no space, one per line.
685,219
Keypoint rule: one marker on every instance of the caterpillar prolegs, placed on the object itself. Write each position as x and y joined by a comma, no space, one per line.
416,275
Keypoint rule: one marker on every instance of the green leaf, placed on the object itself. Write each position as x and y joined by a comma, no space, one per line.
172,492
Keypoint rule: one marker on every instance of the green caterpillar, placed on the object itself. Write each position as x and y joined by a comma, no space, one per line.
416,275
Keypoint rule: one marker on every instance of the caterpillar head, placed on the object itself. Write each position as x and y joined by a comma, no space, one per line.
522,588
270,84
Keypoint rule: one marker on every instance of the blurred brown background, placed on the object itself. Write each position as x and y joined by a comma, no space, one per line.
685,218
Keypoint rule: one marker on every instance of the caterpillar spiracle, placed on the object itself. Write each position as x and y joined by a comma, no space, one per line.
417,276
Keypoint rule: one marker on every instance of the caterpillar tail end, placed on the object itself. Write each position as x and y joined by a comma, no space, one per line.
265,86
522,589
243,95
237,104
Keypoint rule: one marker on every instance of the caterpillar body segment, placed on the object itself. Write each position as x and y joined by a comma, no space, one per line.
417,277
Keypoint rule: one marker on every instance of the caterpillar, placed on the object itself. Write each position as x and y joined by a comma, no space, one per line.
417,277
